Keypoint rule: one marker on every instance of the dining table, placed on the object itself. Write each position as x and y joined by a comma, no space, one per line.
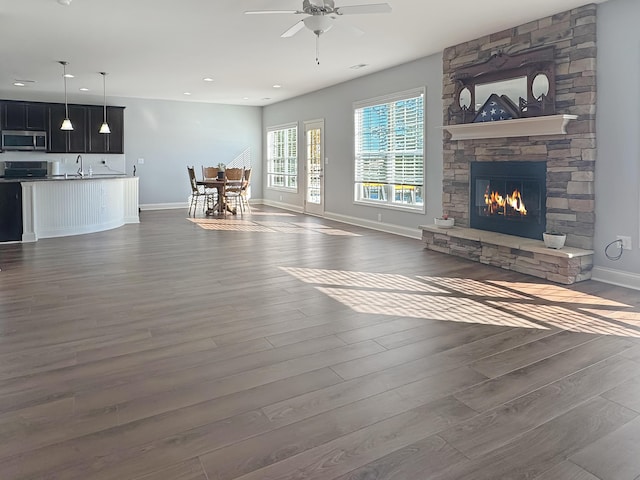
219,184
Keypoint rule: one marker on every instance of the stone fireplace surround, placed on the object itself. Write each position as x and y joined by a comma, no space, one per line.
570,157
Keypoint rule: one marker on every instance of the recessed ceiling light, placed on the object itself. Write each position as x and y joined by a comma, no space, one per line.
64,2
358,66
187,93
18,84
245,98
266,98
208,79
277,86
84,89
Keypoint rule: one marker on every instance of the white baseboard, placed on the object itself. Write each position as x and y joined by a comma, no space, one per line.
616,277
283,206
163,206
185,205
382,227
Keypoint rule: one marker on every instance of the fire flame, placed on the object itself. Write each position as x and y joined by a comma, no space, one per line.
496,201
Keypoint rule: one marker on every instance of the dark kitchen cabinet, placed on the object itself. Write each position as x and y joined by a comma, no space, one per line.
10,212
109,142
24,116
74,141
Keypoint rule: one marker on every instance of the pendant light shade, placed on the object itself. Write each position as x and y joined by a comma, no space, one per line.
66,123
104,128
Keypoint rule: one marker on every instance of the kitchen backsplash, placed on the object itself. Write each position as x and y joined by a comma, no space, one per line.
59,164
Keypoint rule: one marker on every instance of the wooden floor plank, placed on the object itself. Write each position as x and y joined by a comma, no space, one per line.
325,422
543,448
514,384
614,456
230,409
566,471
359,448
498,427
282,345
426,457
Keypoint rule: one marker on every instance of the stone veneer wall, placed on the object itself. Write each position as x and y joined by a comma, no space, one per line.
570,158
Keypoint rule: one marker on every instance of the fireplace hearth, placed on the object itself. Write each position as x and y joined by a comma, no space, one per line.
509,197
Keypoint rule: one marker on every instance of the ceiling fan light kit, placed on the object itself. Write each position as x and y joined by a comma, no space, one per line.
318,24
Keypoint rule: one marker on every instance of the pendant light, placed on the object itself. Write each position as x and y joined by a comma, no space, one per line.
66,123
104,128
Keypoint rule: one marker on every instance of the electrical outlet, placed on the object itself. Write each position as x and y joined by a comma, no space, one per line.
626,242
140,161
280,197
379,217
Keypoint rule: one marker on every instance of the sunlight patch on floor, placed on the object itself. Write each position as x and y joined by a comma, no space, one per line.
241,225
378,281
449,309
556,293
473,287
489,302
566,319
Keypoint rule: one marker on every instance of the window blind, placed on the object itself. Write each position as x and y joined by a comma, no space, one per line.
282,157
389,145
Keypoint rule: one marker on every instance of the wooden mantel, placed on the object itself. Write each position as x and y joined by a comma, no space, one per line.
518,127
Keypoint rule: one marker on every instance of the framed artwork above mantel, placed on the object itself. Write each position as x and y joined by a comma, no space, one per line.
505,87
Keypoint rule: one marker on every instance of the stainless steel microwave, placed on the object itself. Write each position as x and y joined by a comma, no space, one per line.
23,140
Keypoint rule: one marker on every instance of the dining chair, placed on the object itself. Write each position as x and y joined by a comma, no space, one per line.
209,172
233,178
244,199
196,192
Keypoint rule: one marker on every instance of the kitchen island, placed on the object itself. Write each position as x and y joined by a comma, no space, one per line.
59,206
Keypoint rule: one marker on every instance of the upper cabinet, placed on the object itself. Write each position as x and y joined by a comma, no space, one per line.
105,142
85,136
86,120
24,116
63,141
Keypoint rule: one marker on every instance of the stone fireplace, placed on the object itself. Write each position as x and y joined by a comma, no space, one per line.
564,202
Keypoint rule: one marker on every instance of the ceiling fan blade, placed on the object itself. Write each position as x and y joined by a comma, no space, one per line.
293,30
359,9
268,12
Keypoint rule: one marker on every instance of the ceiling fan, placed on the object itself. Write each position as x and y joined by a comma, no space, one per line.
320,14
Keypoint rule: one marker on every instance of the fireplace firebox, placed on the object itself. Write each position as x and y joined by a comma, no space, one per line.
509,197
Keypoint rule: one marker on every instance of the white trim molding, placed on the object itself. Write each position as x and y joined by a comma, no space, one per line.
616,277
379,226
164,206
518,127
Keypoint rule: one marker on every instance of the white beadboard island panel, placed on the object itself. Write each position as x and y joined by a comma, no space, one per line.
63,207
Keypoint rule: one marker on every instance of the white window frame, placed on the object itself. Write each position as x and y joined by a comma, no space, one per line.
383,192
286,178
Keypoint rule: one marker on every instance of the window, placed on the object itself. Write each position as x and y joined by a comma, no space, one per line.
282,157
389,150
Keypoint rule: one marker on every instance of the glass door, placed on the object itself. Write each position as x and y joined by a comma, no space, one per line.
314,171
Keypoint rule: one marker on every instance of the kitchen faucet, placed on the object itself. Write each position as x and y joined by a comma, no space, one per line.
81,169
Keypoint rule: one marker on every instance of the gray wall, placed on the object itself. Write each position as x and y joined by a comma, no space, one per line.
335,106
618,131
170,135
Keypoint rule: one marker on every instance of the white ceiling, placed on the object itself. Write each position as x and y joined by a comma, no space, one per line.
163,48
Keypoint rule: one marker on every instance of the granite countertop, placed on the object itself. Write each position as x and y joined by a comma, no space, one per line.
95,176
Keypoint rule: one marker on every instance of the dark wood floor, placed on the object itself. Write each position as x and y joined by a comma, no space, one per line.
280,346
